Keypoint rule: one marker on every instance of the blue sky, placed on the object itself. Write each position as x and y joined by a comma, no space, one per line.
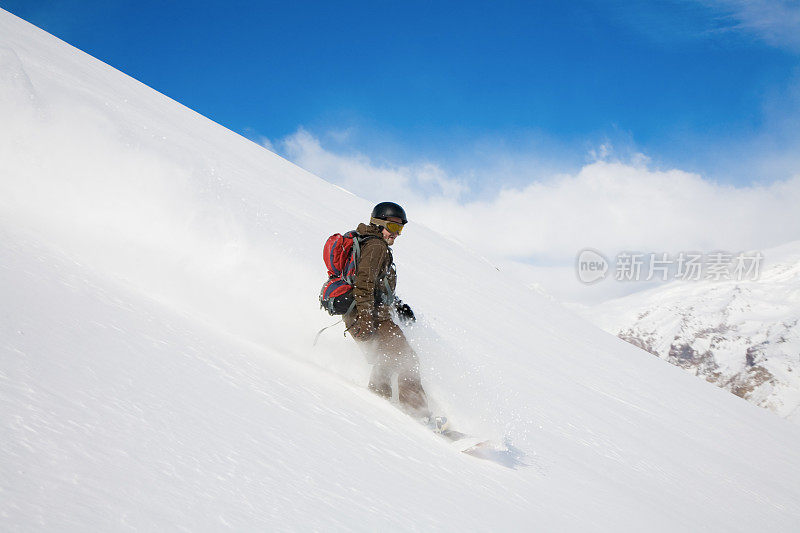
529,130
705,86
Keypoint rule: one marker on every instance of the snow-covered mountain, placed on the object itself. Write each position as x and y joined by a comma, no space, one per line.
741,335
158,303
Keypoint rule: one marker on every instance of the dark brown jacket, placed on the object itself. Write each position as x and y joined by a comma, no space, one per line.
376,278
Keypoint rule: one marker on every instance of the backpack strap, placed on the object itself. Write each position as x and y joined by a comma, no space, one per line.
364,238
388,296
358,240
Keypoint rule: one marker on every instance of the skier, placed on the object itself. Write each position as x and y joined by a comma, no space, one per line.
370,321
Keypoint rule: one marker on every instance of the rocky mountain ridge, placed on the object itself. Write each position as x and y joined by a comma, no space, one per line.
741,335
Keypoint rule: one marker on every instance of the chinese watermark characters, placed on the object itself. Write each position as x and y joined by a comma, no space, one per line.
592,266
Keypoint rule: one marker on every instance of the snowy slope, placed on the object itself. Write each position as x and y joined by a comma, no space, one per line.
741,335
158,285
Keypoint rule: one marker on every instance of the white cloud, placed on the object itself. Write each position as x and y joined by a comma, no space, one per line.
608,205
614,206
360,175
776,22
266,143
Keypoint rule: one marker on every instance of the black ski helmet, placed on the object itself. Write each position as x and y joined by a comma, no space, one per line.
384,210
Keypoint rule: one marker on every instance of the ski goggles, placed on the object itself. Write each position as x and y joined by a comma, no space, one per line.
392,227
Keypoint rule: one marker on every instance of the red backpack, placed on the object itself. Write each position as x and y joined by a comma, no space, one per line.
341,254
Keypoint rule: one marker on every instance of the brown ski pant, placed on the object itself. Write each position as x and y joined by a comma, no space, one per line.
391,354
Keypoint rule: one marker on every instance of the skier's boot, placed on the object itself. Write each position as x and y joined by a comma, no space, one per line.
437,424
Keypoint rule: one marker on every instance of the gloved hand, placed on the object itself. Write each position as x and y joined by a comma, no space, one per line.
364,326
404,312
